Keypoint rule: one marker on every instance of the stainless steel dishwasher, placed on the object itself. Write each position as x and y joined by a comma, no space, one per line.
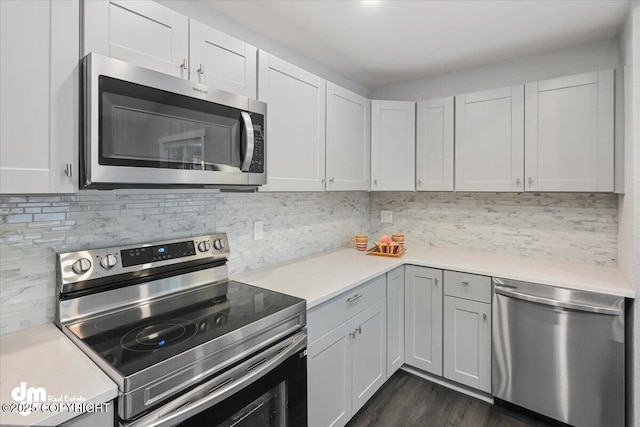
559,352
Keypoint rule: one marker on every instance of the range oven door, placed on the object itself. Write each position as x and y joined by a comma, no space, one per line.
268,389
145,128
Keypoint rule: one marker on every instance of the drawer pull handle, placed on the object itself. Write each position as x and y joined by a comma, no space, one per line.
464,282
359,330
355,297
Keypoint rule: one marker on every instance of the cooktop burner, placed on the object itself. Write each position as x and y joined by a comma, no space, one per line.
137,338
155,336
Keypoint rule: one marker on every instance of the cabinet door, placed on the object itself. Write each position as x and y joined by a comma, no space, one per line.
369,354
393,145
467,342
140,32
348,140
329,378
423,318
434,145
490,140
295,130
221,61
569,133
395,320
39,120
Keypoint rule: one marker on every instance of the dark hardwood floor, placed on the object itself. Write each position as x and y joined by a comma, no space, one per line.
406,400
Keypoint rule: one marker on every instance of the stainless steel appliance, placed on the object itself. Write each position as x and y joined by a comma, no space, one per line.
559,352
143,128
184,343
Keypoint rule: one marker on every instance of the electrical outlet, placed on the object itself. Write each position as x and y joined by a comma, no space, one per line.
386,217
258,230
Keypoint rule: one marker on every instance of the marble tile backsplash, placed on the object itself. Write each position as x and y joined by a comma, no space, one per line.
566,227
34,228
571,227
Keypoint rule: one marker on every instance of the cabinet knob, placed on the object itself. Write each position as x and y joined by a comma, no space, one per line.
419,182
331,180
184,64
530,181
352,334
484,316
375,182
435,281
359,329
201,69
517,182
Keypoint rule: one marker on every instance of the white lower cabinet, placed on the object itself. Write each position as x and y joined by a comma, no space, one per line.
395,320
423,318
347,365
467,329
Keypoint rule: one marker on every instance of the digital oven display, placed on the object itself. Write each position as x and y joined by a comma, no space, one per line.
147,254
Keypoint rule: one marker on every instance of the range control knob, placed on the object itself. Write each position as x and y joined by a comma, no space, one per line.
204,246
81,266
108,261
218,244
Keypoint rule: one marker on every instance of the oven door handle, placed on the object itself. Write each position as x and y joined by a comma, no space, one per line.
189,404
248,140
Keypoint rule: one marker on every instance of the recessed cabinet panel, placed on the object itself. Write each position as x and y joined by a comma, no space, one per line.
490,140
295,128
348,141
467,342
39,120
221,61
329,378
369,354
434,145
569,133
143,33
423,318
393,145
395,320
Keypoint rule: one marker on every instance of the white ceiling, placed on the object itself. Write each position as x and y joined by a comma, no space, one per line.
377,43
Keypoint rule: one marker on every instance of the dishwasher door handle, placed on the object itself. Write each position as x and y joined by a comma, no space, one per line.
509,292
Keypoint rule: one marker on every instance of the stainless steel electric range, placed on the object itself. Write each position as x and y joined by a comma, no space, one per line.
185,344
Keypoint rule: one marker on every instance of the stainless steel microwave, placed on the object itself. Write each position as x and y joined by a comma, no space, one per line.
144,129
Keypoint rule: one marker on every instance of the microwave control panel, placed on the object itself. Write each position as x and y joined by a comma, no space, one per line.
257,163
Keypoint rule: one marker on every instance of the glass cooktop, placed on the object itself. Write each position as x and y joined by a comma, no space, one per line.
137,338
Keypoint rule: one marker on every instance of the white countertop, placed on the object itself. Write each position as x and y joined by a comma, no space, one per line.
43,356
321,277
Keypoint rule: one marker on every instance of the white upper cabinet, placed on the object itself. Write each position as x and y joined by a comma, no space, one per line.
393,145
39,120
295,130
348,140
221,61
569,133
434,145
140,32
490,140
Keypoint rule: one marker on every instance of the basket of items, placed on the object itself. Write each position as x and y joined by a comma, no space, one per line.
389,246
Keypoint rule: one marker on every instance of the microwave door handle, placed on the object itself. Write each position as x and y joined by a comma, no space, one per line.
247,141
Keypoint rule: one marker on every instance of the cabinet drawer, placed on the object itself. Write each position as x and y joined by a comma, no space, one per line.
468,286
327,316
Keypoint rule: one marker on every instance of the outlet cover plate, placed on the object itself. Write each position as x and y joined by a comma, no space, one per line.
258,230
386,217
